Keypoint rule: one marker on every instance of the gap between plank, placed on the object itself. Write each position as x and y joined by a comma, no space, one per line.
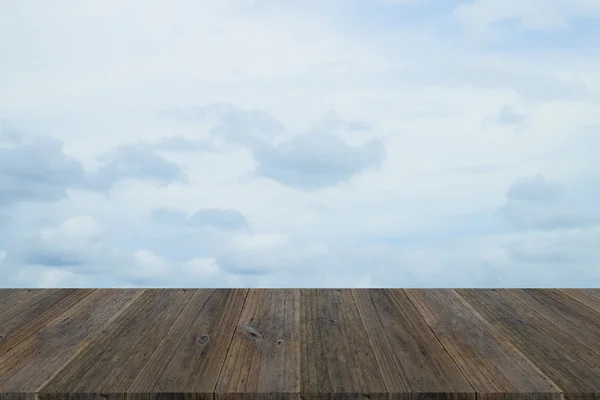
575,339
92,337
165,337
583,304
371,343
92,291
439,341
33,333
515,347
299,340
230,341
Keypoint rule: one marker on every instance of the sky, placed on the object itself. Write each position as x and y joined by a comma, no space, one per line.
330,143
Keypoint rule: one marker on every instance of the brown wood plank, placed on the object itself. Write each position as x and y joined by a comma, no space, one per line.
335,351
566,314
34,311
19,301
300,344
588,297
18,396
29,366
10,297
489,360
113,360
264,354
193,352
566,361
410,356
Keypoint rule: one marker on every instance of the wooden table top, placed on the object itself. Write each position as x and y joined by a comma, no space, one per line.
299,343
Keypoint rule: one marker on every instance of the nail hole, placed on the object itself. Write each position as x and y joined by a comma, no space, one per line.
279,341
1,337
331,321
203,339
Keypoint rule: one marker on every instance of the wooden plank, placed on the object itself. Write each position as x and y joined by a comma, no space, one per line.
19,301
488,359
31,364
265,351
193,352
335,349
33,312
410,356
10,297
18,396
113,360
7,293
588,297
569,364
565,313
67,344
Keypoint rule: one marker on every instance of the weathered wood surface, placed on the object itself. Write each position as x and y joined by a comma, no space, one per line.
299,344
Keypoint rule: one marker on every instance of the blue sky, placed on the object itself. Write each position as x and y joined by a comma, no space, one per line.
262,143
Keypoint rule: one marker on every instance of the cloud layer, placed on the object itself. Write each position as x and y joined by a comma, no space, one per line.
261,144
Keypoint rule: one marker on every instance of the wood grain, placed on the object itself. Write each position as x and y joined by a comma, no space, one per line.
33,311
111,363
264,354
336,356
191,356
11,297
487,359
299,344
587,297
566,314
410,357
31,364
550,348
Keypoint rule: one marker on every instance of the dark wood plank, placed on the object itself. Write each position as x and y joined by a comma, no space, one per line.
113,360
122,396
31,364
264,354
193,352
16,302
335,350
566,314
489,360
588,297
10,297
33,312
410,357
558,354
18,396
301,344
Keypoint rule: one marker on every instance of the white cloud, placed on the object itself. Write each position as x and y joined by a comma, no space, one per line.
260,242
82,227
150,264
532,14
202,266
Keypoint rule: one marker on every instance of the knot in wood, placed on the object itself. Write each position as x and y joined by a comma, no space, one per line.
250,331
202,339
